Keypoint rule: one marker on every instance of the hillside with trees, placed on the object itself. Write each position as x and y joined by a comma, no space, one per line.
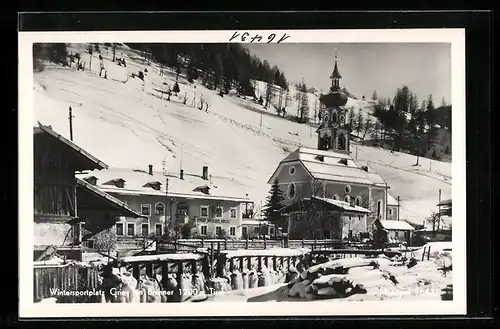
405,124
219,66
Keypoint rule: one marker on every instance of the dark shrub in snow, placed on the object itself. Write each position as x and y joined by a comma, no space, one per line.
176,88
141,75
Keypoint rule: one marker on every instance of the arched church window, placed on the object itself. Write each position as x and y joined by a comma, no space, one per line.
291,191
334,117
347,189
379,208
342,119
347,199
335,197
325,142
358,201
341,142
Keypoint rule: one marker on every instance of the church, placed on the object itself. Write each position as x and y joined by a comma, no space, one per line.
329,195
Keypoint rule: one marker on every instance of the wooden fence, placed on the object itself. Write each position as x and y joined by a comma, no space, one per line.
51,279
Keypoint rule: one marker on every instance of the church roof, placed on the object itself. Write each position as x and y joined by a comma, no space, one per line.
334,98
336,73
327,165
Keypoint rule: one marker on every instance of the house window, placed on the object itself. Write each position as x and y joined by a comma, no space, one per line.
145,229
182,209
204,211
158,229
291,191
244,231
396,234
218,230
218,212
232,231
159,209
347,189
271,231
390,211
256,230
291,170
203,230
232,213
130,229
119,228
146,209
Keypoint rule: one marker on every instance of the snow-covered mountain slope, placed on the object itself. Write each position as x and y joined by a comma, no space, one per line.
127,123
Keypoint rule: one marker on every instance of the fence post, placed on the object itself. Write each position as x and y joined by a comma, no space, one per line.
212,260
423,253
265,242
246,243
225,243
303,243
428,252
202,242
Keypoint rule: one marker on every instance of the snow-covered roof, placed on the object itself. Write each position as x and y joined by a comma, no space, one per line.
327,165
136,183
344,205
254,222
446,203
391,201
396,225
117,203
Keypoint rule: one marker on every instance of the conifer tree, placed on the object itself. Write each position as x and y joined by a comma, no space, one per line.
274,203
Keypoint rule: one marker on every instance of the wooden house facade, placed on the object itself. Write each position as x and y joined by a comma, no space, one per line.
62,203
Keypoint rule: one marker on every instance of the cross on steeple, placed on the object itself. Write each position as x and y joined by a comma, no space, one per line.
335,76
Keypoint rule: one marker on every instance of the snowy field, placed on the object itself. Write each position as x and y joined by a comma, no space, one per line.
127,123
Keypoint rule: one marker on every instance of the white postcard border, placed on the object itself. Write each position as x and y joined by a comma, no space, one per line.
456,37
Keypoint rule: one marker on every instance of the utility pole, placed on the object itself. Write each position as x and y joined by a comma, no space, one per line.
385,215
261,120
439,210
166,203
70,124
356,152
398,207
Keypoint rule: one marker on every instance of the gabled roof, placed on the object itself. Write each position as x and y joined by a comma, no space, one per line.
136,183
396,225
331,168
446,203
114,202
335,205
391,201
92,162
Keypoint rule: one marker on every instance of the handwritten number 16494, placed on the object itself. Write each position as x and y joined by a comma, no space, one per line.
256,38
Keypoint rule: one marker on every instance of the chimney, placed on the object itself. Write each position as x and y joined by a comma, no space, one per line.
182,174
205,173
150,169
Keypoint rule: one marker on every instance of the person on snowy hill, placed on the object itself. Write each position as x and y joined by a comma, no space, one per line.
102,67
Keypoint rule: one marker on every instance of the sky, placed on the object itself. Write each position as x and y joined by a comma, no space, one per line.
424,67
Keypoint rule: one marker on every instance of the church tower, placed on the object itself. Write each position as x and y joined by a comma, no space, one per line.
333,132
